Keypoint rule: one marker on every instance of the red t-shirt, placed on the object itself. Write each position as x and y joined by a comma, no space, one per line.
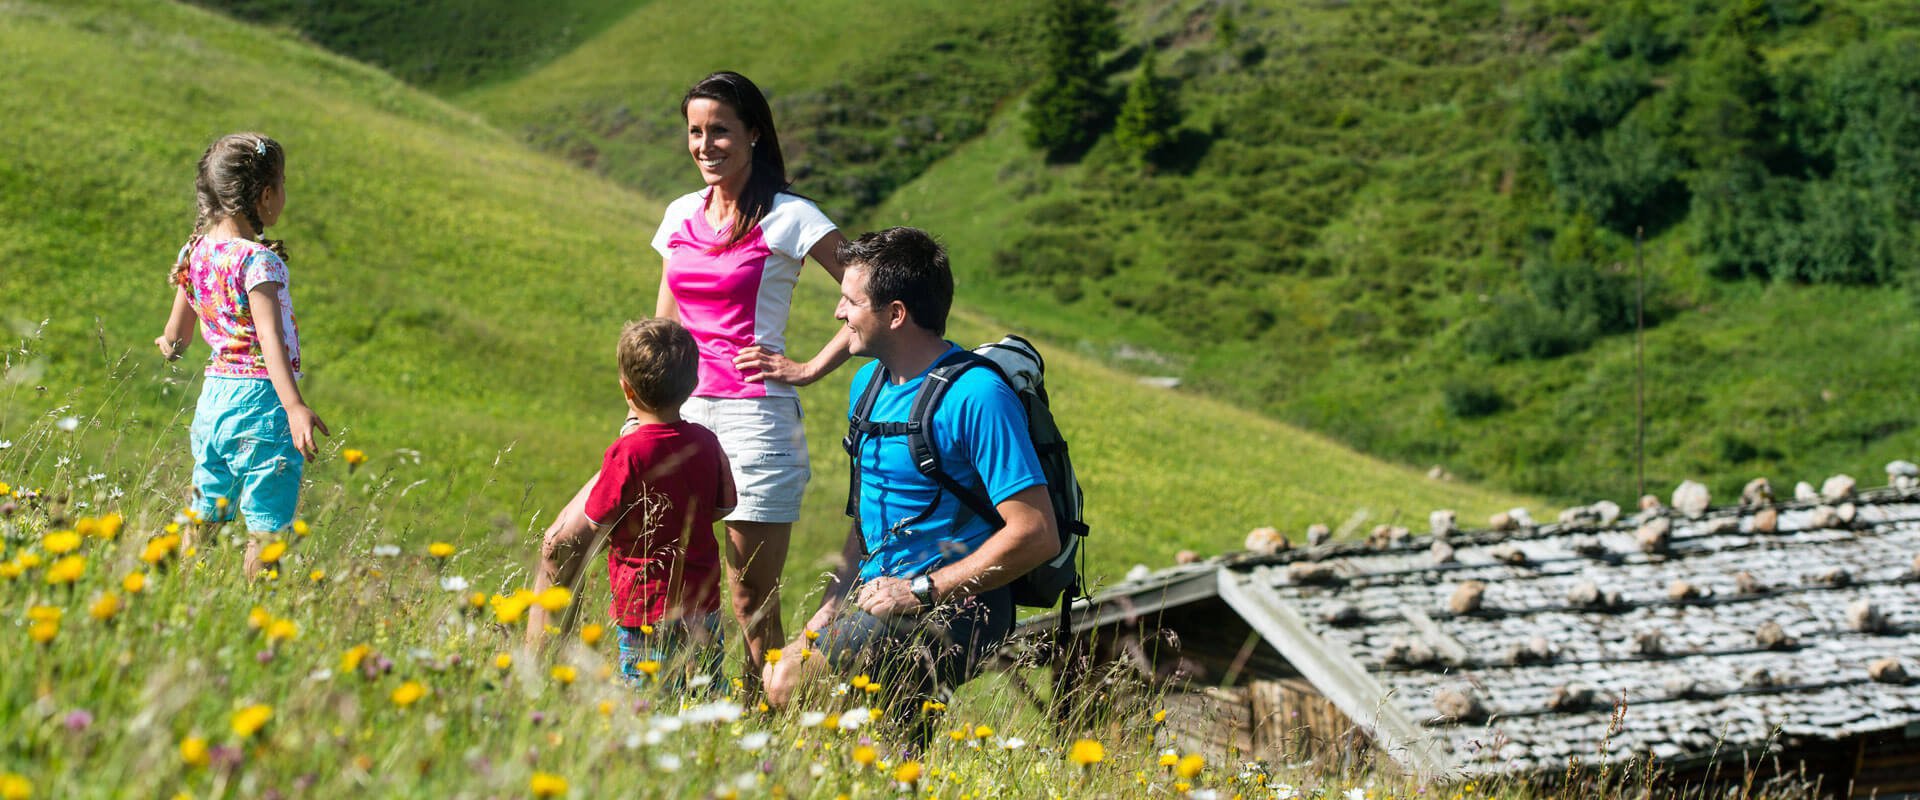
662,487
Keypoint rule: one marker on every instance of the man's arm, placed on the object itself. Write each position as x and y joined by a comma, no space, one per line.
1029,538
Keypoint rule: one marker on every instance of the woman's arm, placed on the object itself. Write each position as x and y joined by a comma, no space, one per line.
264,299
173,338
664,306
763,365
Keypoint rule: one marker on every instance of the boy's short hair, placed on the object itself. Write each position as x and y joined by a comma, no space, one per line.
659,360
908,265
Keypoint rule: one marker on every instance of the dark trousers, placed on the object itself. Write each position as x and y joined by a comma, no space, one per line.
920,658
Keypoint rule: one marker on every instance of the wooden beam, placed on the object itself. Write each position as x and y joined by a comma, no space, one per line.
1335,673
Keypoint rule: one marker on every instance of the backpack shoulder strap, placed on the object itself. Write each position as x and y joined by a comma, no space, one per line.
858,424
926,455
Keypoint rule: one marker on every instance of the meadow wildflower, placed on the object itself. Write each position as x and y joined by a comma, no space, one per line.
66,570
440,550
508,609
982,732
317,576
134,583
1086,753
591,634
281,630
408,693
1190,766
45,613
15,787
354,458
565,675
649,667
258,618
29,559
60,543
273,551
773,655
555,598
546,784
909,772
160,547
248,721
865,755
193,751
350,660
105,607
301,528
503,661
43,631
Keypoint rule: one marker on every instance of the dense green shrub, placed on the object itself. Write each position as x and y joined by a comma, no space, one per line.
1148,116
1465,400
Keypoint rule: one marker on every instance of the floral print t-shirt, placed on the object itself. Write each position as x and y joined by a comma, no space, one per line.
219,275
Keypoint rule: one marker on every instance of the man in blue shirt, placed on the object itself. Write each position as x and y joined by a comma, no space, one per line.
921,595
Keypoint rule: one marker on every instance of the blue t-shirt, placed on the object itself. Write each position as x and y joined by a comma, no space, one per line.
979,429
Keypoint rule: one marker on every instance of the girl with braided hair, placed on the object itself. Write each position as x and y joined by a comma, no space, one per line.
252,431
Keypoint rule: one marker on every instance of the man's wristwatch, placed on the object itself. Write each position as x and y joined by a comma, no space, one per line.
922,589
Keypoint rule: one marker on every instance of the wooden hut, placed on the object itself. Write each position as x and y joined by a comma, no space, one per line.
1768,634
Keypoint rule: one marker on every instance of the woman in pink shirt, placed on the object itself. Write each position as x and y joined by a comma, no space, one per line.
734,251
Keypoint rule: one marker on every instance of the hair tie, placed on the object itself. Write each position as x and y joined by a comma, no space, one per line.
260,147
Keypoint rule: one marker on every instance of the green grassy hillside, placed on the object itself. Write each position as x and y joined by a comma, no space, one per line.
1351,231
458,296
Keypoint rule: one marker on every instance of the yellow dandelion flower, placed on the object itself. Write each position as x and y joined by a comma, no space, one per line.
860,681
134,583
281,630
258,618
221,503
1160,716
43,632
982,731
350,660
606,708
648,667
909,772
813,635
476,600
957,734
1169,759
1190,766
5,490
156,550
354,458
15,787
1086,753
87,526
832,722
66,570
11,570
440,550
509,609
248,721
408,693
301,528
29,560
555,598
591,634
872,687
773,655
865,756
110,525
172,528
646,630
547,784
565,674
106,607
273,551
45,613
1182,787
503,661
61,543
317,575
193,751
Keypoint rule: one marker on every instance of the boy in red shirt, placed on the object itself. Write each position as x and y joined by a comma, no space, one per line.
663,484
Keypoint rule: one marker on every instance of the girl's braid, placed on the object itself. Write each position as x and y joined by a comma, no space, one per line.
234,171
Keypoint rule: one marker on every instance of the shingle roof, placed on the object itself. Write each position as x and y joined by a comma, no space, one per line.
1695,678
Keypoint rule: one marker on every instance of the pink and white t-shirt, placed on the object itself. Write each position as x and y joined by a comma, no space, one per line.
740,296
219,276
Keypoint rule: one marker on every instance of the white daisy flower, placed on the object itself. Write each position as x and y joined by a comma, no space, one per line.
755,742
453,583
809,719
667,762
68,424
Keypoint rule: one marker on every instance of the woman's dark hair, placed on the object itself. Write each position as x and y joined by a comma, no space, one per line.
234,171
769,174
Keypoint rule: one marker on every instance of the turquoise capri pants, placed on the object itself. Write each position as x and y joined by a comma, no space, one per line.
243,453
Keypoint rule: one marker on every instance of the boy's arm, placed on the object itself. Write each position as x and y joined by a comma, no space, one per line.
264,299
173,338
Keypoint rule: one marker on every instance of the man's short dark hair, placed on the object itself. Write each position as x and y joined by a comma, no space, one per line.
908,265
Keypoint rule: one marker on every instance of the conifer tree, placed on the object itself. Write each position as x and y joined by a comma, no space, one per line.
1147,118
1068,106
